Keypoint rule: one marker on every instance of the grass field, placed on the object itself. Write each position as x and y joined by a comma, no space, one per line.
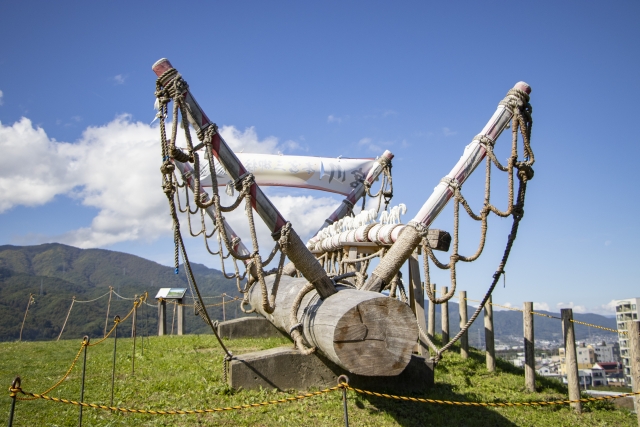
186,373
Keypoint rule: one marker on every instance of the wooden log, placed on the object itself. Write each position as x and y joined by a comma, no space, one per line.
489,341
464,339
444,317
571,361
180,317
363,332
439,240
529,350
633,331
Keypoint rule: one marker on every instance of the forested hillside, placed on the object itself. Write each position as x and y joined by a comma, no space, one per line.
55,273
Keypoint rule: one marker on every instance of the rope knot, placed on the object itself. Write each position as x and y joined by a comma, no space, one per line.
525,172
167,168
518,211
451,182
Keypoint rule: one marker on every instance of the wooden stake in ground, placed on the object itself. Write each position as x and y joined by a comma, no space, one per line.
31,301
464,339
162,317
488,336
529,351
432,315
633,330
571,361
444,319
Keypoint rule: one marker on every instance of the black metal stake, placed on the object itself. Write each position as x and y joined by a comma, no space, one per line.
343,380
116,320
14,385
85,343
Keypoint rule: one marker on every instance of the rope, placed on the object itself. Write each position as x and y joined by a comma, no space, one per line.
518,102
95,299
73,300
299,397
489,404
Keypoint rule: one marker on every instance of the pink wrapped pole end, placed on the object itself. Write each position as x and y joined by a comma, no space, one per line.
520,85
388,155
161,66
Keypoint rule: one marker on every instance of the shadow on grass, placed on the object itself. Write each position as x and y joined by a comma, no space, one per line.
471,370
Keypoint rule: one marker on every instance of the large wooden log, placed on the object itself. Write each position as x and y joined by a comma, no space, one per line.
364,332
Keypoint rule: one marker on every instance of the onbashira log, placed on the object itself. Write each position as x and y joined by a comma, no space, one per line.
364,332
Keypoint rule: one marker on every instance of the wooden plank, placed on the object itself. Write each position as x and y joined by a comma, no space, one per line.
418,300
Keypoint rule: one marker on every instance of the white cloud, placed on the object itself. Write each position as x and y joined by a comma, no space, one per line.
115,169
576,308
541,306
368,142
336,119
1,95
448,132
119,79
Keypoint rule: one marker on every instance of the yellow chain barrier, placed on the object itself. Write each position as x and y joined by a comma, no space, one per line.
591,325
493,404
82,346
173,412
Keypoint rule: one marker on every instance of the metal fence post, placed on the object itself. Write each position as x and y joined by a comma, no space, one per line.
343,379
85,343
116,320
14,385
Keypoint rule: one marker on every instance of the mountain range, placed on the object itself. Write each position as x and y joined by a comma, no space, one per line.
55,273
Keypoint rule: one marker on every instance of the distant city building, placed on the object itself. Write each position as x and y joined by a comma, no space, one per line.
626,310
586,358
606,352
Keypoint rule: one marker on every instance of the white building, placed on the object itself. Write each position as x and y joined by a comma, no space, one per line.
626,310
606,352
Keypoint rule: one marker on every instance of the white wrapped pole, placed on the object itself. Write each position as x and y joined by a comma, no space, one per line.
187,172
473,154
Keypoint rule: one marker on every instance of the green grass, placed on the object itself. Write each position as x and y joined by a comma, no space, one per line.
186,373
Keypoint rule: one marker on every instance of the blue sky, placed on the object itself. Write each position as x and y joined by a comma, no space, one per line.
329,79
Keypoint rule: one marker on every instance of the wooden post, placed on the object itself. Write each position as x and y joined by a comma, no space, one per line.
571,361
488,336
365,333
418,297
180,317
464,339
444,317
633,331
162,317
432,315
529,350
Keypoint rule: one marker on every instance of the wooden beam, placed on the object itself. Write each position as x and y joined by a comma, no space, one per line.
464,339
444,317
